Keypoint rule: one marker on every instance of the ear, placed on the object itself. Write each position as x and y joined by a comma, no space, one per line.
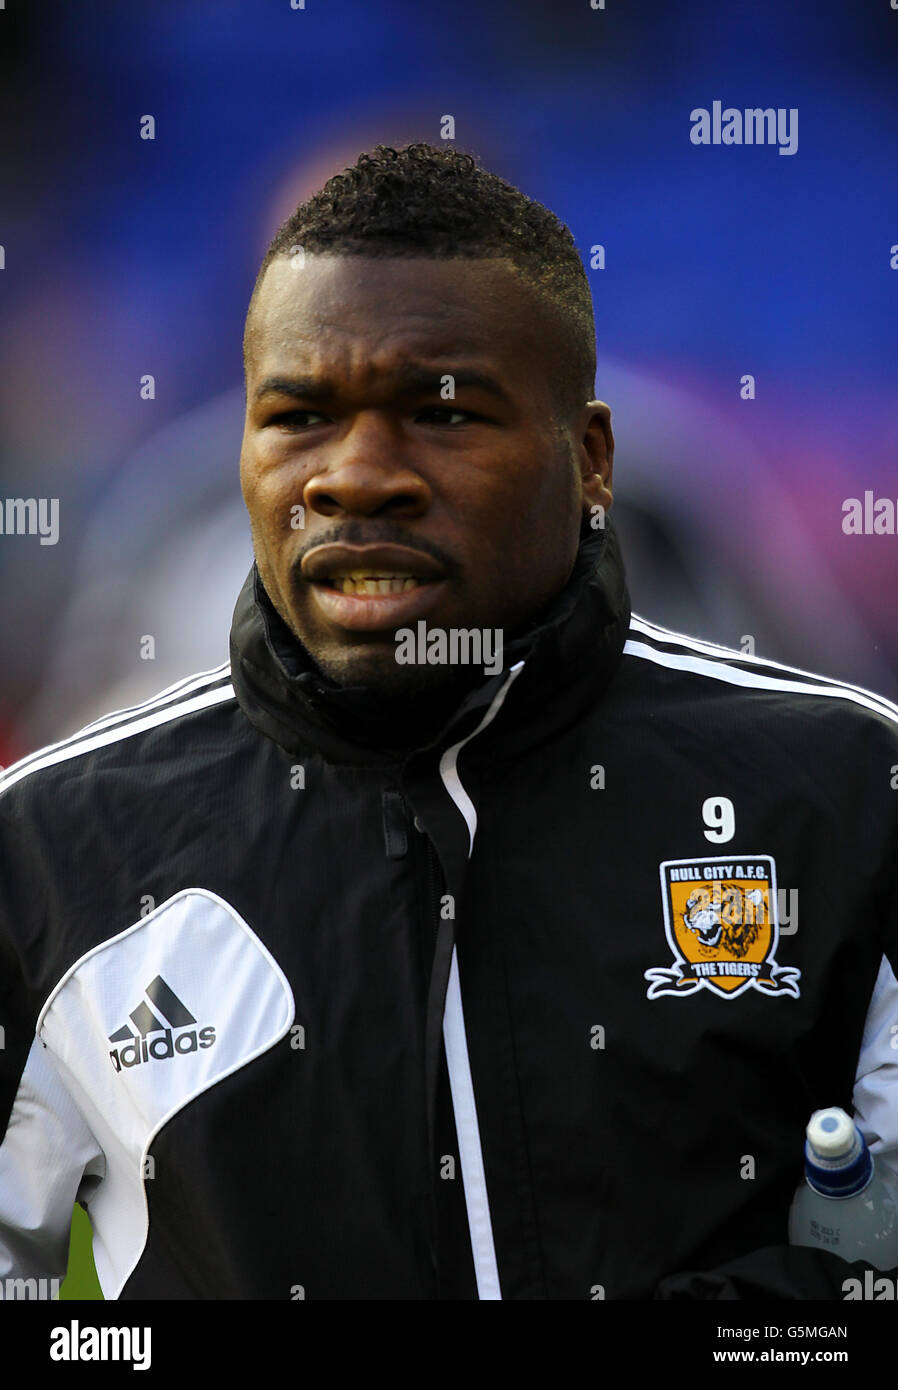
596,456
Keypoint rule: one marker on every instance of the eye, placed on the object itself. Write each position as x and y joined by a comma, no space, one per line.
300,419
443,412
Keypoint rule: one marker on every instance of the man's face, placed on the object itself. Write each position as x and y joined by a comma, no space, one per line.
376,497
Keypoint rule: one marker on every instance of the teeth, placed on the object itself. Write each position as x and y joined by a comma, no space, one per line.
363,582
371,574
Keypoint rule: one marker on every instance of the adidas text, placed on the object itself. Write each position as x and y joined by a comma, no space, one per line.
161,1047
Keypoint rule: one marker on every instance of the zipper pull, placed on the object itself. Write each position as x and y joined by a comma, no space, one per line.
395,824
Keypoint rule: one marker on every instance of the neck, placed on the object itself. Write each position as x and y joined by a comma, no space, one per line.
399,722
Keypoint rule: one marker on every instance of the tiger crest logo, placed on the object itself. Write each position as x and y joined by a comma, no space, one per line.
720,918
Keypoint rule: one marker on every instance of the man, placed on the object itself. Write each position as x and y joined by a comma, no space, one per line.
432,950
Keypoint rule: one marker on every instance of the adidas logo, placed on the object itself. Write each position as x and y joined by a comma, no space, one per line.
137,1048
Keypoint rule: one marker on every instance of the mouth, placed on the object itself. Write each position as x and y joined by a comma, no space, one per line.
373,584
372,588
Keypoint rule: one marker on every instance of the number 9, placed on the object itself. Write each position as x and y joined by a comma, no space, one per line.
720,817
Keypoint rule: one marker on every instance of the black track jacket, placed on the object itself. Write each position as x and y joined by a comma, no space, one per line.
537,1011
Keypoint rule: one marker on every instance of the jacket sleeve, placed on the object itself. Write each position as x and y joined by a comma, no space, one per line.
48,1160
48,1156
876,1083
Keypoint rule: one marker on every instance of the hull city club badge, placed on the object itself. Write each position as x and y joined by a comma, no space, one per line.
720,917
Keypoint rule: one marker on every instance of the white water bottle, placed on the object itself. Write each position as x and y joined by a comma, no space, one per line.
845,1204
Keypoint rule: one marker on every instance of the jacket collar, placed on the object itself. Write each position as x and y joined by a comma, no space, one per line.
570,654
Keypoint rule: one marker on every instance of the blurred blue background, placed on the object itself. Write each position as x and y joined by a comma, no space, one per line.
126,257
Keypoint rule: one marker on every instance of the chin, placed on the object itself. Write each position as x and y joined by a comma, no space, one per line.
382,675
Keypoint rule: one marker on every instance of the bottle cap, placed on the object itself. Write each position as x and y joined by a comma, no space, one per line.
837,1162
831,1133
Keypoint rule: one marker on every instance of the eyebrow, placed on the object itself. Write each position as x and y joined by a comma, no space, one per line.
414,380
301,388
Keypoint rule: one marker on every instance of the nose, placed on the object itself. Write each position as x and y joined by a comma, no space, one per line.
366,472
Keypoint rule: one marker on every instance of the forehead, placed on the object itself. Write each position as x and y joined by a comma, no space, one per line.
352,309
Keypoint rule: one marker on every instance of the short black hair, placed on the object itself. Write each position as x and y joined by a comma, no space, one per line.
424,200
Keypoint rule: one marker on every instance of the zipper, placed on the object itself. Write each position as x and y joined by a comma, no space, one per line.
464,1106
445,1027
434,879
439,943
